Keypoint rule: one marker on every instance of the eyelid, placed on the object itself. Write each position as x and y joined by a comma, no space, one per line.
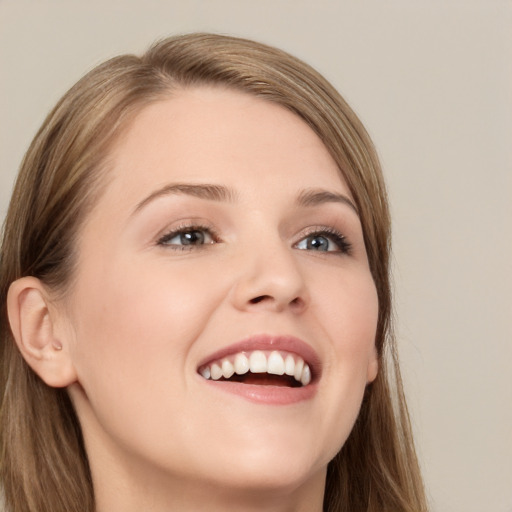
345,247
340,238
185,226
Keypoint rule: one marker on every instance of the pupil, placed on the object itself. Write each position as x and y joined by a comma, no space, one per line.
192,238
319,243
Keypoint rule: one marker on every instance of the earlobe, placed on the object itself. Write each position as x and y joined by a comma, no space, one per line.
33,324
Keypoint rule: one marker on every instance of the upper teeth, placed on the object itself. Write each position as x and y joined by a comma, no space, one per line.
259,362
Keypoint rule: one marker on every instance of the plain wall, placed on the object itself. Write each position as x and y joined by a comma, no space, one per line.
432,81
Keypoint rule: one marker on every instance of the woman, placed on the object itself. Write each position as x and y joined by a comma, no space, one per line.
195,296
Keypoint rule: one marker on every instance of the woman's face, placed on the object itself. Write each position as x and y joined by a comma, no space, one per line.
225,238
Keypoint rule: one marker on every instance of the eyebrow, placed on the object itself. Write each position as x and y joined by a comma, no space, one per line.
318,196
307,198
202,191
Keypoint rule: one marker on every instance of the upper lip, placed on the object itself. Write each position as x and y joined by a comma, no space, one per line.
277,342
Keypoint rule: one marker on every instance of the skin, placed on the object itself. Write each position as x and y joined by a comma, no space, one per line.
141,315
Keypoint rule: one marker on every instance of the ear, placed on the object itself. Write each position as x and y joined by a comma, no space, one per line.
373,366
33,323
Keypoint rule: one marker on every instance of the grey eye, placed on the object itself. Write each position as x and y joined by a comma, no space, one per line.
316,243
324,241
187,237
195,237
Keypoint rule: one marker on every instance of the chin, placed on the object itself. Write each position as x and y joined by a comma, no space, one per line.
277,466
280,476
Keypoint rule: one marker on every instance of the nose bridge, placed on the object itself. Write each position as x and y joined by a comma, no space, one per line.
269,275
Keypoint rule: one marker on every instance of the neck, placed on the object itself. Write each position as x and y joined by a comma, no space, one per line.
202,499
192,495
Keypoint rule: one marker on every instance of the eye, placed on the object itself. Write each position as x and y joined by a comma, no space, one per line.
324,241
187,237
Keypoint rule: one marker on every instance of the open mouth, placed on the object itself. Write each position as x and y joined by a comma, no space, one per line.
260,367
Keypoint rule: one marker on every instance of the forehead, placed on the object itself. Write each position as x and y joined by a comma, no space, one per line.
209,134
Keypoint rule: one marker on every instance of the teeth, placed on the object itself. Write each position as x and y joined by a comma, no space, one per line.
273,363
289,365
299,365
306,375
216,372
258,362
227,369
241,364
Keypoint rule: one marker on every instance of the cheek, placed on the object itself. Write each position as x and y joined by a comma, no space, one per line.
356,344
349,310
135,316
134,329
348,314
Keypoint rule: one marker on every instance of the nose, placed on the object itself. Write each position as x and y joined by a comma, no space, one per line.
269,278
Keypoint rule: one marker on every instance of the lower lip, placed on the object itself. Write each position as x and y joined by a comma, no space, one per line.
270,395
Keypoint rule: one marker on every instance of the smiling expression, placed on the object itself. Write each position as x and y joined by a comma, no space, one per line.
226,240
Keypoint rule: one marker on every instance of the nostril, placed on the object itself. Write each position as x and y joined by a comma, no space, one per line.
256,300
262,298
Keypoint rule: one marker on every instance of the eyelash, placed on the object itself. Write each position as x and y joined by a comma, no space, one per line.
345,247
187,228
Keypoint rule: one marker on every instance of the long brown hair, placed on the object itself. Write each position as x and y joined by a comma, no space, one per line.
43,464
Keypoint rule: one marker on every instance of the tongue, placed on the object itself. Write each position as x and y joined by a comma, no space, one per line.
265,379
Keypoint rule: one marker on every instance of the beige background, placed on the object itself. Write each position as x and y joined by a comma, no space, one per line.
433,83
